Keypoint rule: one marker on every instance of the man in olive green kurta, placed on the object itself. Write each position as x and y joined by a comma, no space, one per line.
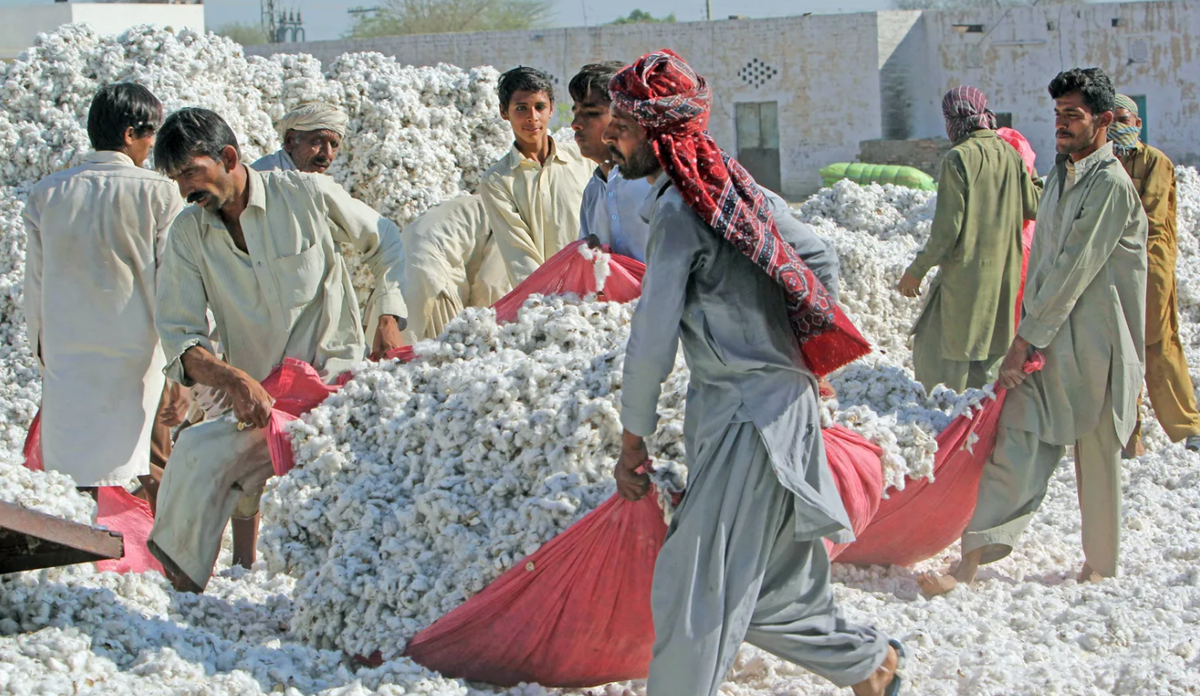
1084,309
984,195
1167,380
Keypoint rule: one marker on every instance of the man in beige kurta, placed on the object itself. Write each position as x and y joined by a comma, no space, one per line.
312,134
1084,309
95,236
261,250
451,262
532,195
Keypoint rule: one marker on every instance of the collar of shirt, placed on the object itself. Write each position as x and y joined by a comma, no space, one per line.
656,191
598,175
110,157
258,199
517,159
1084,166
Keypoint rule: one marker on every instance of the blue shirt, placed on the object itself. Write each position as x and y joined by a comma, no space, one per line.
611,211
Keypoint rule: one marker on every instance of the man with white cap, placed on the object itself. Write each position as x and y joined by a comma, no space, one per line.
311,134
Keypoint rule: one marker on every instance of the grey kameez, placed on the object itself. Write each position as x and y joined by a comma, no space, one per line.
1084,308
744,557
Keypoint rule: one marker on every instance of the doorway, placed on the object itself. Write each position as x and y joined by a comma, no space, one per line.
757,126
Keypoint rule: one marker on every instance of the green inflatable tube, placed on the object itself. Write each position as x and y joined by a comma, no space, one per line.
862,173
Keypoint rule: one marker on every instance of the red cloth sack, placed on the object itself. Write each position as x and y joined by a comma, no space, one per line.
573,270
119,511
576,613
33,444
297,389
927,516
1028,156
858,474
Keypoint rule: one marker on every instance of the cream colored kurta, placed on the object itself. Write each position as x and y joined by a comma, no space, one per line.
291,296
95,234
276,161
533,209
451,261
1084,303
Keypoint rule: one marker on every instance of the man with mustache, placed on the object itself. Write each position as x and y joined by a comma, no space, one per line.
1167,380
1084,309
984,196
532,195
263,252
312,134
746,291
611,203
96,235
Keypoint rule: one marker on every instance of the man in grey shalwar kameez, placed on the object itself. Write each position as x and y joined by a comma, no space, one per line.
744,557
1084,309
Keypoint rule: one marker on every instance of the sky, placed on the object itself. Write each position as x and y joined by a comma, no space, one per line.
327,19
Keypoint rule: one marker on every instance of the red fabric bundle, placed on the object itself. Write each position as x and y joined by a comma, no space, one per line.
1023,148
33,444
297,389
927,516
569,271
854,463
119,511
575,613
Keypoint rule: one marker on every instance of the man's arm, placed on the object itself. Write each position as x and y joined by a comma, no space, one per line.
171,206
1031,195
33,279
1090,242
947,219
513,236
378,239
1158,200
654,340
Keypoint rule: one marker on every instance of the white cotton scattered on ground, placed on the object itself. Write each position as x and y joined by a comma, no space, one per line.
420,483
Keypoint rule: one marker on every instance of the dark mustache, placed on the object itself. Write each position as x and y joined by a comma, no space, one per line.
615,153
195,197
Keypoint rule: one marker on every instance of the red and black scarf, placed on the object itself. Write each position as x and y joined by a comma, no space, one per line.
672,102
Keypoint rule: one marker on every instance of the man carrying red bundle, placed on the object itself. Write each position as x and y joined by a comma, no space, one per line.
750,293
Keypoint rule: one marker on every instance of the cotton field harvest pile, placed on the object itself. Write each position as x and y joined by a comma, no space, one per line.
420,483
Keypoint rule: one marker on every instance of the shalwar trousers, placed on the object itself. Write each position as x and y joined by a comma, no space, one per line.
732,569
1015,480
931,369
1169,386
215,472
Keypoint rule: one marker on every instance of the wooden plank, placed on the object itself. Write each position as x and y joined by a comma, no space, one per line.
30,540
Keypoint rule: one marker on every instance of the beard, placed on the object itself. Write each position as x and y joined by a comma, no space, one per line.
639,165
1074,143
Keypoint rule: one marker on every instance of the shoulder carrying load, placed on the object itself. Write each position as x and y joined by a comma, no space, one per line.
862,173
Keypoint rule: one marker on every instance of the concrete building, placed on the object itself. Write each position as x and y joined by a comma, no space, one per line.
793,94
19,26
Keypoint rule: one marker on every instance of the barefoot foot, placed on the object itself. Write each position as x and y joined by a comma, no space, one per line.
1089,575
934,585
877,684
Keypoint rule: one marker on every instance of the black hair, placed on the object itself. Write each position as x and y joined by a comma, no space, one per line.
118,107
523,79
188,133
593,78
1095,86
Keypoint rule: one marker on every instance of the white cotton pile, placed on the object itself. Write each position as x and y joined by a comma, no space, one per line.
20,386
419,484
877,231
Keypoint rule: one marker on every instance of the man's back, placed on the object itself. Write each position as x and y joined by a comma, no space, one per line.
100,228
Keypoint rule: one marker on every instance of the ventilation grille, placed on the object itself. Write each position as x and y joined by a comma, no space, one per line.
757,73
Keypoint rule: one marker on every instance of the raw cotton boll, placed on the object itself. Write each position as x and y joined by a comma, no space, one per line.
49,492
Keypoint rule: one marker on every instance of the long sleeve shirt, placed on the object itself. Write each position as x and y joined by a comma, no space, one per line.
533,208
611,211
291,295
446,250
95,236
1153,176
984,196
276,161
1085,302
745,362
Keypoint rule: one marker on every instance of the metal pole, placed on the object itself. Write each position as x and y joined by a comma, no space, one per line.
709,2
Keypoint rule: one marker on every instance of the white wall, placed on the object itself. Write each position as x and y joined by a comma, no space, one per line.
827,86
19,26
1017,56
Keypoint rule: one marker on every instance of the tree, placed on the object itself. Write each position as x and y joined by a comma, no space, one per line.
400,17
245,34
643,17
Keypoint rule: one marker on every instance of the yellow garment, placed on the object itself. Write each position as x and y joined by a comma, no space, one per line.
450,262
1167,380
533,209
95,234
291,296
